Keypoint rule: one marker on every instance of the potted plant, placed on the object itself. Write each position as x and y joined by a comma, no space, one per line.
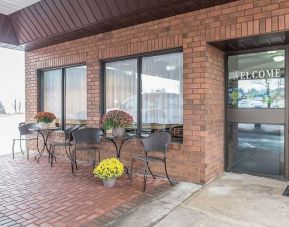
44,119
108,170
117,120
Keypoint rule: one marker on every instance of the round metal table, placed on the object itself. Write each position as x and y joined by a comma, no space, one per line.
121,140
45,134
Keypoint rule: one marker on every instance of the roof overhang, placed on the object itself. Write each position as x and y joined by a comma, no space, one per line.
49,22
7,34
252,42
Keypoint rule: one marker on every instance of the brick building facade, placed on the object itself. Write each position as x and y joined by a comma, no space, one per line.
200,158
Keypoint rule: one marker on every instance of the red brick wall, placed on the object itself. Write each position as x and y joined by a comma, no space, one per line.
201,157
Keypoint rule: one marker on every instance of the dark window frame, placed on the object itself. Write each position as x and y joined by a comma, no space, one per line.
40,73
139,58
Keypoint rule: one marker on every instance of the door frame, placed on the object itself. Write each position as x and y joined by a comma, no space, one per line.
286,126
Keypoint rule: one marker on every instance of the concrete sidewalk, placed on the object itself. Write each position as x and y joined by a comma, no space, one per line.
232,200
152,211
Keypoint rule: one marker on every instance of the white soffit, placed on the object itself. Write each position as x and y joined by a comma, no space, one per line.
10,6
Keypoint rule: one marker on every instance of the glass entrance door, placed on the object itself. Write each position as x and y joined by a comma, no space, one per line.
256,113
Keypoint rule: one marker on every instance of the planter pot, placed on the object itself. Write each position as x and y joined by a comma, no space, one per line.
109,183
109,131
118,132
44,125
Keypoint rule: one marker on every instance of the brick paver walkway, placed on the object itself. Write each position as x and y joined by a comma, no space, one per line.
33,194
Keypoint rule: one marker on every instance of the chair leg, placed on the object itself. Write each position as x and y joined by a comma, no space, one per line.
49,157
130,179
20,143
68,153
94,160
37,145
75,160
51,152
151,171
72,162
145,179
98,156
13,151
72,168
27,150
167,172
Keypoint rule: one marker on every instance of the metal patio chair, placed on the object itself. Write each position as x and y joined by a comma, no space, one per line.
155,142
25,135
85,140
66,143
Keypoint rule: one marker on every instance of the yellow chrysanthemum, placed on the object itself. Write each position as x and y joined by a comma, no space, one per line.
108,169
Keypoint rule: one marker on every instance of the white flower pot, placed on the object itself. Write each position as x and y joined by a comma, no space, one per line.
109,183
43,125
118,132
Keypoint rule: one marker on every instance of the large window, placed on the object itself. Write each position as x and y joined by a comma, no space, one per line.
63,92
51,92
121,87
150,88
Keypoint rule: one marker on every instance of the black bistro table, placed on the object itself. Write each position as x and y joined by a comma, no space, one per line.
118,143
45,133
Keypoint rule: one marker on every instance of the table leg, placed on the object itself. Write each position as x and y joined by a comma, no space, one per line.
50,155
40,152
45,138
122,142
115,145
119,152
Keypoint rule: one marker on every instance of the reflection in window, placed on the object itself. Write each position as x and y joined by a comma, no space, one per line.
162,92
75,95
160,88
51,84
256,148
74,90
121,86
257,80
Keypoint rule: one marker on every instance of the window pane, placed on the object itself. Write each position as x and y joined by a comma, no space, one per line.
75,95
162,94
121,87
257,80
52,92
256,148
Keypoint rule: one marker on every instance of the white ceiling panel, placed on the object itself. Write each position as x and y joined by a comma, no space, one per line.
10,6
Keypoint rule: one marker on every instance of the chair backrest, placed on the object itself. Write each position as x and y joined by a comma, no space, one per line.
24,128
158,141
87,136
21,123
68,132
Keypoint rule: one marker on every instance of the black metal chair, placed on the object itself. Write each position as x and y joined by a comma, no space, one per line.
66,143
25,135
155,142
85,140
